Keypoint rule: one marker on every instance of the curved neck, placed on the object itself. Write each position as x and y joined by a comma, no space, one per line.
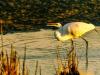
64,37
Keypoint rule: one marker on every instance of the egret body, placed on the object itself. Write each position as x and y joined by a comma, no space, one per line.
72,30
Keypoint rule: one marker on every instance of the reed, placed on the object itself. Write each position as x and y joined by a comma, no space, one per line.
71,65
10,63
23,72
38,70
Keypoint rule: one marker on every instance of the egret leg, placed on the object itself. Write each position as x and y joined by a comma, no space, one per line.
73,51
72,46
72,62
86,52
71,54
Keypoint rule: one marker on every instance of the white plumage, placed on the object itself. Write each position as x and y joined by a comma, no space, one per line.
73,30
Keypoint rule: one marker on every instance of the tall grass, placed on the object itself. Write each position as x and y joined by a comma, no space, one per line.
9,64
70,67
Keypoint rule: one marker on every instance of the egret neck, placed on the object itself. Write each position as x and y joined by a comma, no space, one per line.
63,37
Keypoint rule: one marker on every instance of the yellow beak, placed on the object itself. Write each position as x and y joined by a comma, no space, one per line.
52,25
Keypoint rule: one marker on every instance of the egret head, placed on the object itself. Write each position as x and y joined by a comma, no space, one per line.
55,24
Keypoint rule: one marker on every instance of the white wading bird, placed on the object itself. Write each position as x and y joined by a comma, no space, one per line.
72,31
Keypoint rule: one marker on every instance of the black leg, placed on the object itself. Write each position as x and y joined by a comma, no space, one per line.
72,47
86,52
72,44
71,55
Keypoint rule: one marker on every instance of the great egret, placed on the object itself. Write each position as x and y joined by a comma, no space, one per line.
72,31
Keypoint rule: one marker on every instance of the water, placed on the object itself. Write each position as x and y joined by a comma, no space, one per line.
42,46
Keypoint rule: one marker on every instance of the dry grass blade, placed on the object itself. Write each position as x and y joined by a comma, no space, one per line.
1,28
8,68
36,68
40,71
23,72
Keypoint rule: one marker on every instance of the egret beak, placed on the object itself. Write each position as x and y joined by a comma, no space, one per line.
55,25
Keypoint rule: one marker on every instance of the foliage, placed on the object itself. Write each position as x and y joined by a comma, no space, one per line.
75,10
43,11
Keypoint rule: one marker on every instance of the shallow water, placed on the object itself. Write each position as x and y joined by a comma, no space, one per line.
42,46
